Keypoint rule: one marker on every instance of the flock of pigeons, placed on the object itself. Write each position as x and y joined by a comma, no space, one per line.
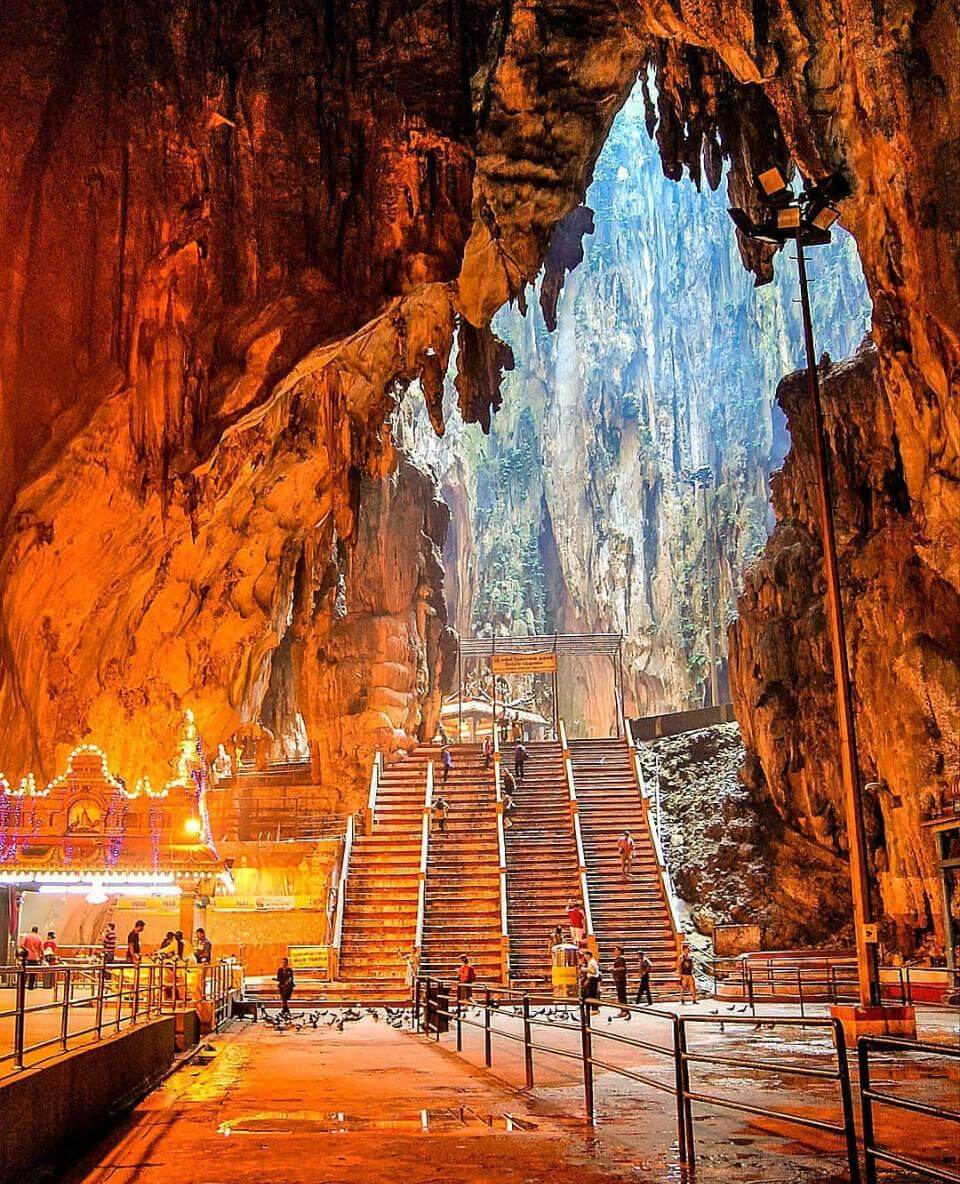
287,1021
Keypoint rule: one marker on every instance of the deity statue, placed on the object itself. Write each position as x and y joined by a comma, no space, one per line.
188,756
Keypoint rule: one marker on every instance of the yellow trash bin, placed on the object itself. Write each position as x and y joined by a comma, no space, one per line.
566,971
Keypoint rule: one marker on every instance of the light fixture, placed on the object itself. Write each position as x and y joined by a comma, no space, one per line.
96,895
788,218
193,826
823,216
772,184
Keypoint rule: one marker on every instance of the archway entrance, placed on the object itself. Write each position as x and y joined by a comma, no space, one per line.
548,676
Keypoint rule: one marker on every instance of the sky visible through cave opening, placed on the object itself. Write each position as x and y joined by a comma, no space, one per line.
577,513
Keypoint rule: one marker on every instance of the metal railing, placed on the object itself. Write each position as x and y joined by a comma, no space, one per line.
89,1001
806,983
438,1004
342,888
502,863
667,890
577,834
424,856
870,1097
376,774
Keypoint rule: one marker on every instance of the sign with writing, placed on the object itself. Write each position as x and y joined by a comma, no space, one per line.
310,958
545,663
148,904
266,904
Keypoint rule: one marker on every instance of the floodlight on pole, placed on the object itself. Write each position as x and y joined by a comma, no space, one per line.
805,219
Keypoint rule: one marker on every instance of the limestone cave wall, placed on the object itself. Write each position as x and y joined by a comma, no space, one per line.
903,624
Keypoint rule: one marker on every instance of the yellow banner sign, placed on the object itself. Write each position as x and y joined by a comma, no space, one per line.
310,958
545,663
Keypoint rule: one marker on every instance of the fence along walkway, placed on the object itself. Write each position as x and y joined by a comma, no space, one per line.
50,1010
684,1058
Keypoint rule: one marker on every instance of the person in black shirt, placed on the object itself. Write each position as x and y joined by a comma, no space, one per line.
285,985
203,948
133,942
619,970
644,988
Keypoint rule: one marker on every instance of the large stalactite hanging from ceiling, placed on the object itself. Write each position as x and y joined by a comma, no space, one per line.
230,234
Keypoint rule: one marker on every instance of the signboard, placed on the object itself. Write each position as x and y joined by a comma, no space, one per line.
871,934
543,663
147,904
267,904
310,958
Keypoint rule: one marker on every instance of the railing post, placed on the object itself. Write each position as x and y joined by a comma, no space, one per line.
678,1087
750,1000
586,1053
866,1111
846,1102
135,1009
487,1057
20,1017
459,1018
119,1015
100,989
527,1044
800,992
65,1016
685,1094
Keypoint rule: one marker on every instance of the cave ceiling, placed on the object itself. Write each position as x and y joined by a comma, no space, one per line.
233,233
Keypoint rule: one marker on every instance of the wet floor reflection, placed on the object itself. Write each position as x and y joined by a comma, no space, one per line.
446,1120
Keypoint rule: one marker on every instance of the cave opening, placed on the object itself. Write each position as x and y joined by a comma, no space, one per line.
624,485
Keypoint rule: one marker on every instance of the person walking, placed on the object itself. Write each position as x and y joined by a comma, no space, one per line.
508,783
108,943
577,920
627,849
619,972
441,808
509,805
520,755
285,985
133,942
31,950
643,988
466,977
486,751
446,758
685,970
590,980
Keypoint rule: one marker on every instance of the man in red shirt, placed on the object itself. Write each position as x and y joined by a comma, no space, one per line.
466,977
578,922
31,946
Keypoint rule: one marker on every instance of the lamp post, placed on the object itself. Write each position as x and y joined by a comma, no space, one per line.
805,220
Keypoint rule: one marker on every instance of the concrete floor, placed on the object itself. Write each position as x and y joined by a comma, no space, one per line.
371,1104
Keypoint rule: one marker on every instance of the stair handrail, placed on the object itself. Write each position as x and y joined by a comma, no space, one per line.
575,817
502,858
376,774
341,895
667,889
424,855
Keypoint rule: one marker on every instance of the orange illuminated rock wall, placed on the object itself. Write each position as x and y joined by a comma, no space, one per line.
230,237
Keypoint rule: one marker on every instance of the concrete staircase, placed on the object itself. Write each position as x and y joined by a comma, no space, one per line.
542,866
633,913
462,904
382,888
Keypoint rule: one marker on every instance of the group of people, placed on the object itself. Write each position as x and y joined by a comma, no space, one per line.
173,946
36,952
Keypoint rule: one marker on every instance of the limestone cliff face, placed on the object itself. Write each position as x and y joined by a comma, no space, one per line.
580,511
230,234
903,622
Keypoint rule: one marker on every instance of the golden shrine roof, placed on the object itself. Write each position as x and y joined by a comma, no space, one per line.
87,822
